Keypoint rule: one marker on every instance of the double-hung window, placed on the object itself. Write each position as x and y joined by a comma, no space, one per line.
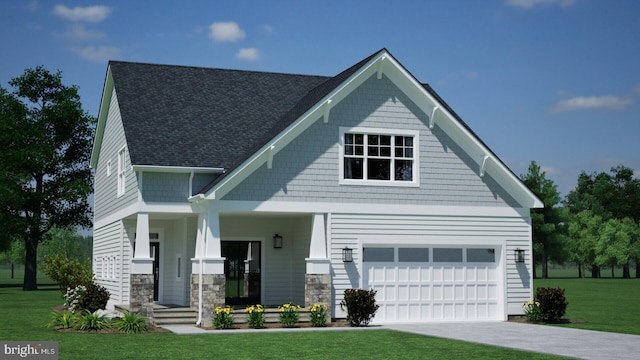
121,171
379,157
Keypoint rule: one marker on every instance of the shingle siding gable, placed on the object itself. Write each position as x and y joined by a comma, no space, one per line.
308,168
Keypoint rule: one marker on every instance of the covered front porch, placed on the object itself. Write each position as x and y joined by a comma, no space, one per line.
217,258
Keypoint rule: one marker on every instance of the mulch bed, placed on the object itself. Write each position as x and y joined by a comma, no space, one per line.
337,323
522,319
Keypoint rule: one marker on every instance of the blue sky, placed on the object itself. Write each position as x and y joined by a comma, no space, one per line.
555,81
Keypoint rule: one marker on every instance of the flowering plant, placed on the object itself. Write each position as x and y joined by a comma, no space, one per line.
319,315
256,316
532,311
222,318
289,314
72,297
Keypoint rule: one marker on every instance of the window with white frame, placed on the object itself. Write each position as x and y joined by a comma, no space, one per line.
121,171
380,157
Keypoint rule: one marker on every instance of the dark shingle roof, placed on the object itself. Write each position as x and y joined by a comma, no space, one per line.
200,117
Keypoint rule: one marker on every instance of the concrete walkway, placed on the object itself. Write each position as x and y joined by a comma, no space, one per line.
575,343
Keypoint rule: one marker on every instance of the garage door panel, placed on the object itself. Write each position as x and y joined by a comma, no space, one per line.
411,291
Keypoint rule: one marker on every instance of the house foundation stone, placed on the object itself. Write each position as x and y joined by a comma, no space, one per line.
141,295
317,290
213,290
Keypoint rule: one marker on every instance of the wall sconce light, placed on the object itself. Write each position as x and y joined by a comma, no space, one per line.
519,255
277,241
347,254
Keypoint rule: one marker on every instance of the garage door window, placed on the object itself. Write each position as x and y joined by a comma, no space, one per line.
447,255
413,255
481,255
378,254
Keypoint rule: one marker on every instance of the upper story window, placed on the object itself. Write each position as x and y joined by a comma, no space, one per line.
109,167
379,157
121,171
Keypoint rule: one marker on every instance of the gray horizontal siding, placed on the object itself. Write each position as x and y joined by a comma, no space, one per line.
308,168
107,243
349,229
106,201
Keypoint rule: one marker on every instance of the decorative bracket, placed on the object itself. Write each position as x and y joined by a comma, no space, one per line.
484,162
431,118
270,158
380,66
327,109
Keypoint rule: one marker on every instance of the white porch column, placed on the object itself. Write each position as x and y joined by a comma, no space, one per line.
318,262
142,263
208,247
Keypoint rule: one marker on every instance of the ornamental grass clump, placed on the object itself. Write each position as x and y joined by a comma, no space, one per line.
131,323
93,321
319,315
289,314
532,311
223,318
64,320
255,316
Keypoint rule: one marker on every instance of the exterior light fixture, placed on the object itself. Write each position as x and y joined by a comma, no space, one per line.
519,255
277,241
347,254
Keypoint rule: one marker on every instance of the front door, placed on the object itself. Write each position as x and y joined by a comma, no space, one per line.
154,249
242,272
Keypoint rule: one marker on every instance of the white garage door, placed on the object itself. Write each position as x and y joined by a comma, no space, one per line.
438,284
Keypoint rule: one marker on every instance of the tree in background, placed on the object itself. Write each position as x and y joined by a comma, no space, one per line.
584,234
548,222
614,196
45,138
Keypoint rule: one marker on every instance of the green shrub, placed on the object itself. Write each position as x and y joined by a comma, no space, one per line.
131,323
319,315
93,321
289,314
361,306
95,297
256,316
553,304
65,319
67,273
222,318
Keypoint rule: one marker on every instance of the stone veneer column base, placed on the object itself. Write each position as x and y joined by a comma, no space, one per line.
317,290
213,290
141,295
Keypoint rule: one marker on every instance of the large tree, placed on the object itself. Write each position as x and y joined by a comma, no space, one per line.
45,138
611,196
548,222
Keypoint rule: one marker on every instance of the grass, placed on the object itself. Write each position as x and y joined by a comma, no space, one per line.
604,304
25,313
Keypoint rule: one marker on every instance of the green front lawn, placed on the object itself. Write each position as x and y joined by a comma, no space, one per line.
25,313
604,304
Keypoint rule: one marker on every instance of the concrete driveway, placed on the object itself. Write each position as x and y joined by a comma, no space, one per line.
554,340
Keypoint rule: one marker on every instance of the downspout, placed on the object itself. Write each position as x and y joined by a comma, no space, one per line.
200,271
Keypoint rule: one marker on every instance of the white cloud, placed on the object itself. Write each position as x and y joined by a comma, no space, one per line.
608,102
226,31
269,29
79,32
33,6
528,4
94,14
97,53
249,54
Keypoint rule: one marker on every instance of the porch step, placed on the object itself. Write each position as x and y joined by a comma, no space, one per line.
174,316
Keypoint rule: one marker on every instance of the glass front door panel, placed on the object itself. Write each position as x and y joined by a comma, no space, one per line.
242,272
